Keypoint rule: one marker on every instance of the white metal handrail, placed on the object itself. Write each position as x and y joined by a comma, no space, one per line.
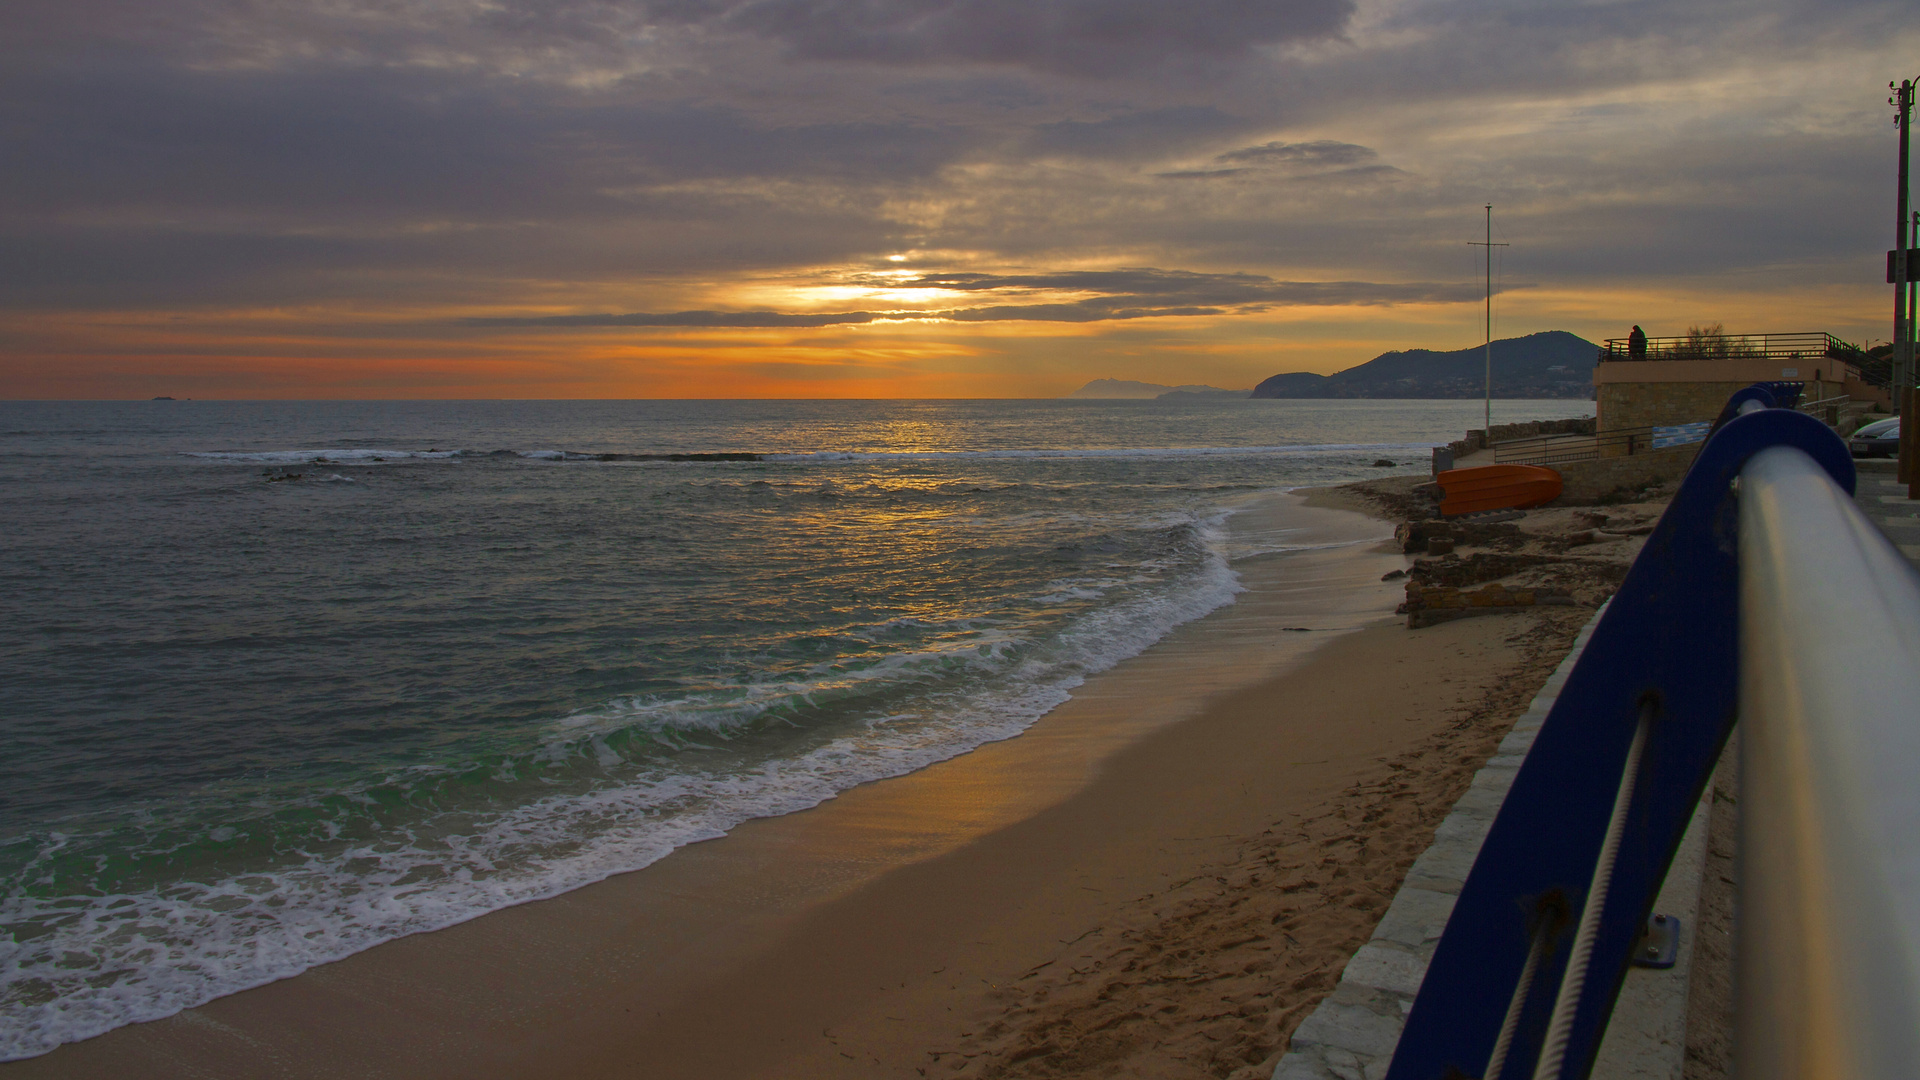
1814,406
1828,934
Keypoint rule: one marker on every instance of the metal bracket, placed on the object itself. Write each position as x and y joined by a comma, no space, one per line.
1659,943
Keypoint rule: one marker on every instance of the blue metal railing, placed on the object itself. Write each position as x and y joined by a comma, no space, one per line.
1762,592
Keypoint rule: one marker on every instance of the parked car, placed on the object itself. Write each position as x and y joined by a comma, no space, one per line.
1878,439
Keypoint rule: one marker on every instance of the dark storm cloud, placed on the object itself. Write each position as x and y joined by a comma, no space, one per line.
1123,294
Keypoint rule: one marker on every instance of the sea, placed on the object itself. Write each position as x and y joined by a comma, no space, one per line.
280,681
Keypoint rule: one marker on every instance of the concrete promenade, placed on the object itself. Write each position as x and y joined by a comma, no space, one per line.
1884,500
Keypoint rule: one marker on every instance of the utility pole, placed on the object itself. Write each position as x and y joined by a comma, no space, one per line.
1902,358
1910,439
1490,245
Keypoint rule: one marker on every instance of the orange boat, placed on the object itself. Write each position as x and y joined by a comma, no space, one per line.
1496,487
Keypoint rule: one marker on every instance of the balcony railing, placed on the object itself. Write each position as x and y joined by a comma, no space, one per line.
1713,346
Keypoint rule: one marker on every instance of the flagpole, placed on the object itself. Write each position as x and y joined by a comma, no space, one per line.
1487,432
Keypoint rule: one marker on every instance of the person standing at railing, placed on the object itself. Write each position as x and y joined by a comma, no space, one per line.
1637,344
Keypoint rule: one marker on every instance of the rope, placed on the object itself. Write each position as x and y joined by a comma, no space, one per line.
1573,983
1512,1022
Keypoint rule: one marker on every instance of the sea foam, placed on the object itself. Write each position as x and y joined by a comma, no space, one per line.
76,966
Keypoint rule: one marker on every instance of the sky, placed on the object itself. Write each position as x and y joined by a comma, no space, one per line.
913,198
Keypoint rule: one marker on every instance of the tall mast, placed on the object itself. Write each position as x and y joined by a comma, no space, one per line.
1489,245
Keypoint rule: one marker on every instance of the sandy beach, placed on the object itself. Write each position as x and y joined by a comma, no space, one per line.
1158,879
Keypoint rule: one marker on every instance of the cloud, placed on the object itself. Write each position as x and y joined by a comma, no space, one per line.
586,40
1145,133
1119,295
400,161
302,145
1317,160
735,319
1321,154
1074,37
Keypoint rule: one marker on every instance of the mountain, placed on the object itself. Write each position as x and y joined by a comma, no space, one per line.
1550,364
1128,388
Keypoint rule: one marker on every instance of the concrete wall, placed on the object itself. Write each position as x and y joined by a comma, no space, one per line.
1477,439
1632,405
1875,395
1587,482
1623,405
1661,393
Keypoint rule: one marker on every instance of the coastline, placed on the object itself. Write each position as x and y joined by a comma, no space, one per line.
917,922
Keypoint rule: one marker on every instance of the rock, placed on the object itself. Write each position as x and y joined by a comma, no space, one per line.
1393,575
1479,567
1413,535
1383,463
1427,606
1439,545
1484,517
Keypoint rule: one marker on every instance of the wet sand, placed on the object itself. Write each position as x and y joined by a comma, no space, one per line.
1159,878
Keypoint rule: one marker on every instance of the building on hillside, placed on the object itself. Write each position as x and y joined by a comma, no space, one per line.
1687,380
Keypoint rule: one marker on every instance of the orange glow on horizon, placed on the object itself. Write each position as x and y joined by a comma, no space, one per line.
349,352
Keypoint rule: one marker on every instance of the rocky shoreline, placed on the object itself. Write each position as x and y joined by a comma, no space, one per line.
1556,555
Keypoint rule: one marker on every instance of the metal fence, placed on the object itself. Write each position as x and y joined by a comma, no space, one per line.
1762,593
1560,449
1710,345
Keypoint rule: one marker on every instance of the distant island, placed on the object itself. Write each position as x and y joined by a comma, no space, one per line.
1550,364
1111,389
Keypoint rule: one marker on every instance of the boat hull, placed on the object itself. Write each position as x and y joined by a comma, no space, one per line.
1496,487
